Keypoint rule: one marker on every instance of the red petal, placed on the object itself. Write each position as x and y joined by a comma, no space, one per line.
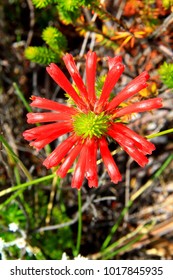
45,130
142,106
62,171
39,144
41,141
48,104
131,89
109,161
59,153
144,145
59,77
91,163
79,172
113,60
111,79
47,117
91,64
128,145
72,69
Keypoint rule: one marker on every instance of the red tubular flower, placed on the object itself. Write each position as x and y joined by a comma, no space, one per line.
109,161
129,145
51,131
44,103
60,152
90,121
47,117
144,145
142,106
72,155
70,64
131,89
91,64
91,165
79,172
59,77
113,75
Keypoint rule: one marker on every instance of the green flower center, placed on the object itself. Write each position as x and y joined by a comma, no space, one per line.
89,125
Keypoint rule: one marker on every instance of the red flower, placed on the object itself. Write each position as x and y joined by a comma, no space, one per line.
90,121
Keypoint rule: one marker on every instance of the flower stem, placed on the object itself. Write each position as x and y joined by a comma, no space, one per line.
79,234
27,184
160,133
22,97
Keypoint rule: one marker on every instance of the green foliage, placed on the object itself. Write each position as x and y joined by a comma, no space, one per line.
99,85
41,55
15,240
166,73
11,214
54,243
43,3
57,43
73,5
68,5
68,17
54,39
68,10
167,3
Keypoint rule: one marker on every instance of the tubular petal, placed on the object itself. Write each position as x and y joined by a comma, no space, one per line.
43,140
62,171
128,145
59,77
48,104
91,162
136,155
109,161
59,153
47,117
142,106
91,64
45,130
39,144
113,60
93,183
146,146
73,71
131,89
111,79
79,172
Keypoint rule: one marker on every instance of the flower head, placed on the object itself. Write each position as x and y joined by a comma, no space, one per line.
90,121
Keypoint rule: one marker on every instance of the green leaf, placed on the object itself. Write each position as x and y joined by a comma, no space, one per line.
54,38
166,74
41,55
43,3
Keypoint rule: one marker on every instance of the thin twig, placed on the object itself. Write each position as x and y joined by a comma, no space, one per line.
127,187
32,22
162,28
69,223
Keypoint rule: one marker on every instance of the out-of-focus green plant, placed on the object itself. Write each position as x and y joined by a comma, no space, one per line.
166,74
167,3
44,55
68,10
43,3
54,39
41,55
